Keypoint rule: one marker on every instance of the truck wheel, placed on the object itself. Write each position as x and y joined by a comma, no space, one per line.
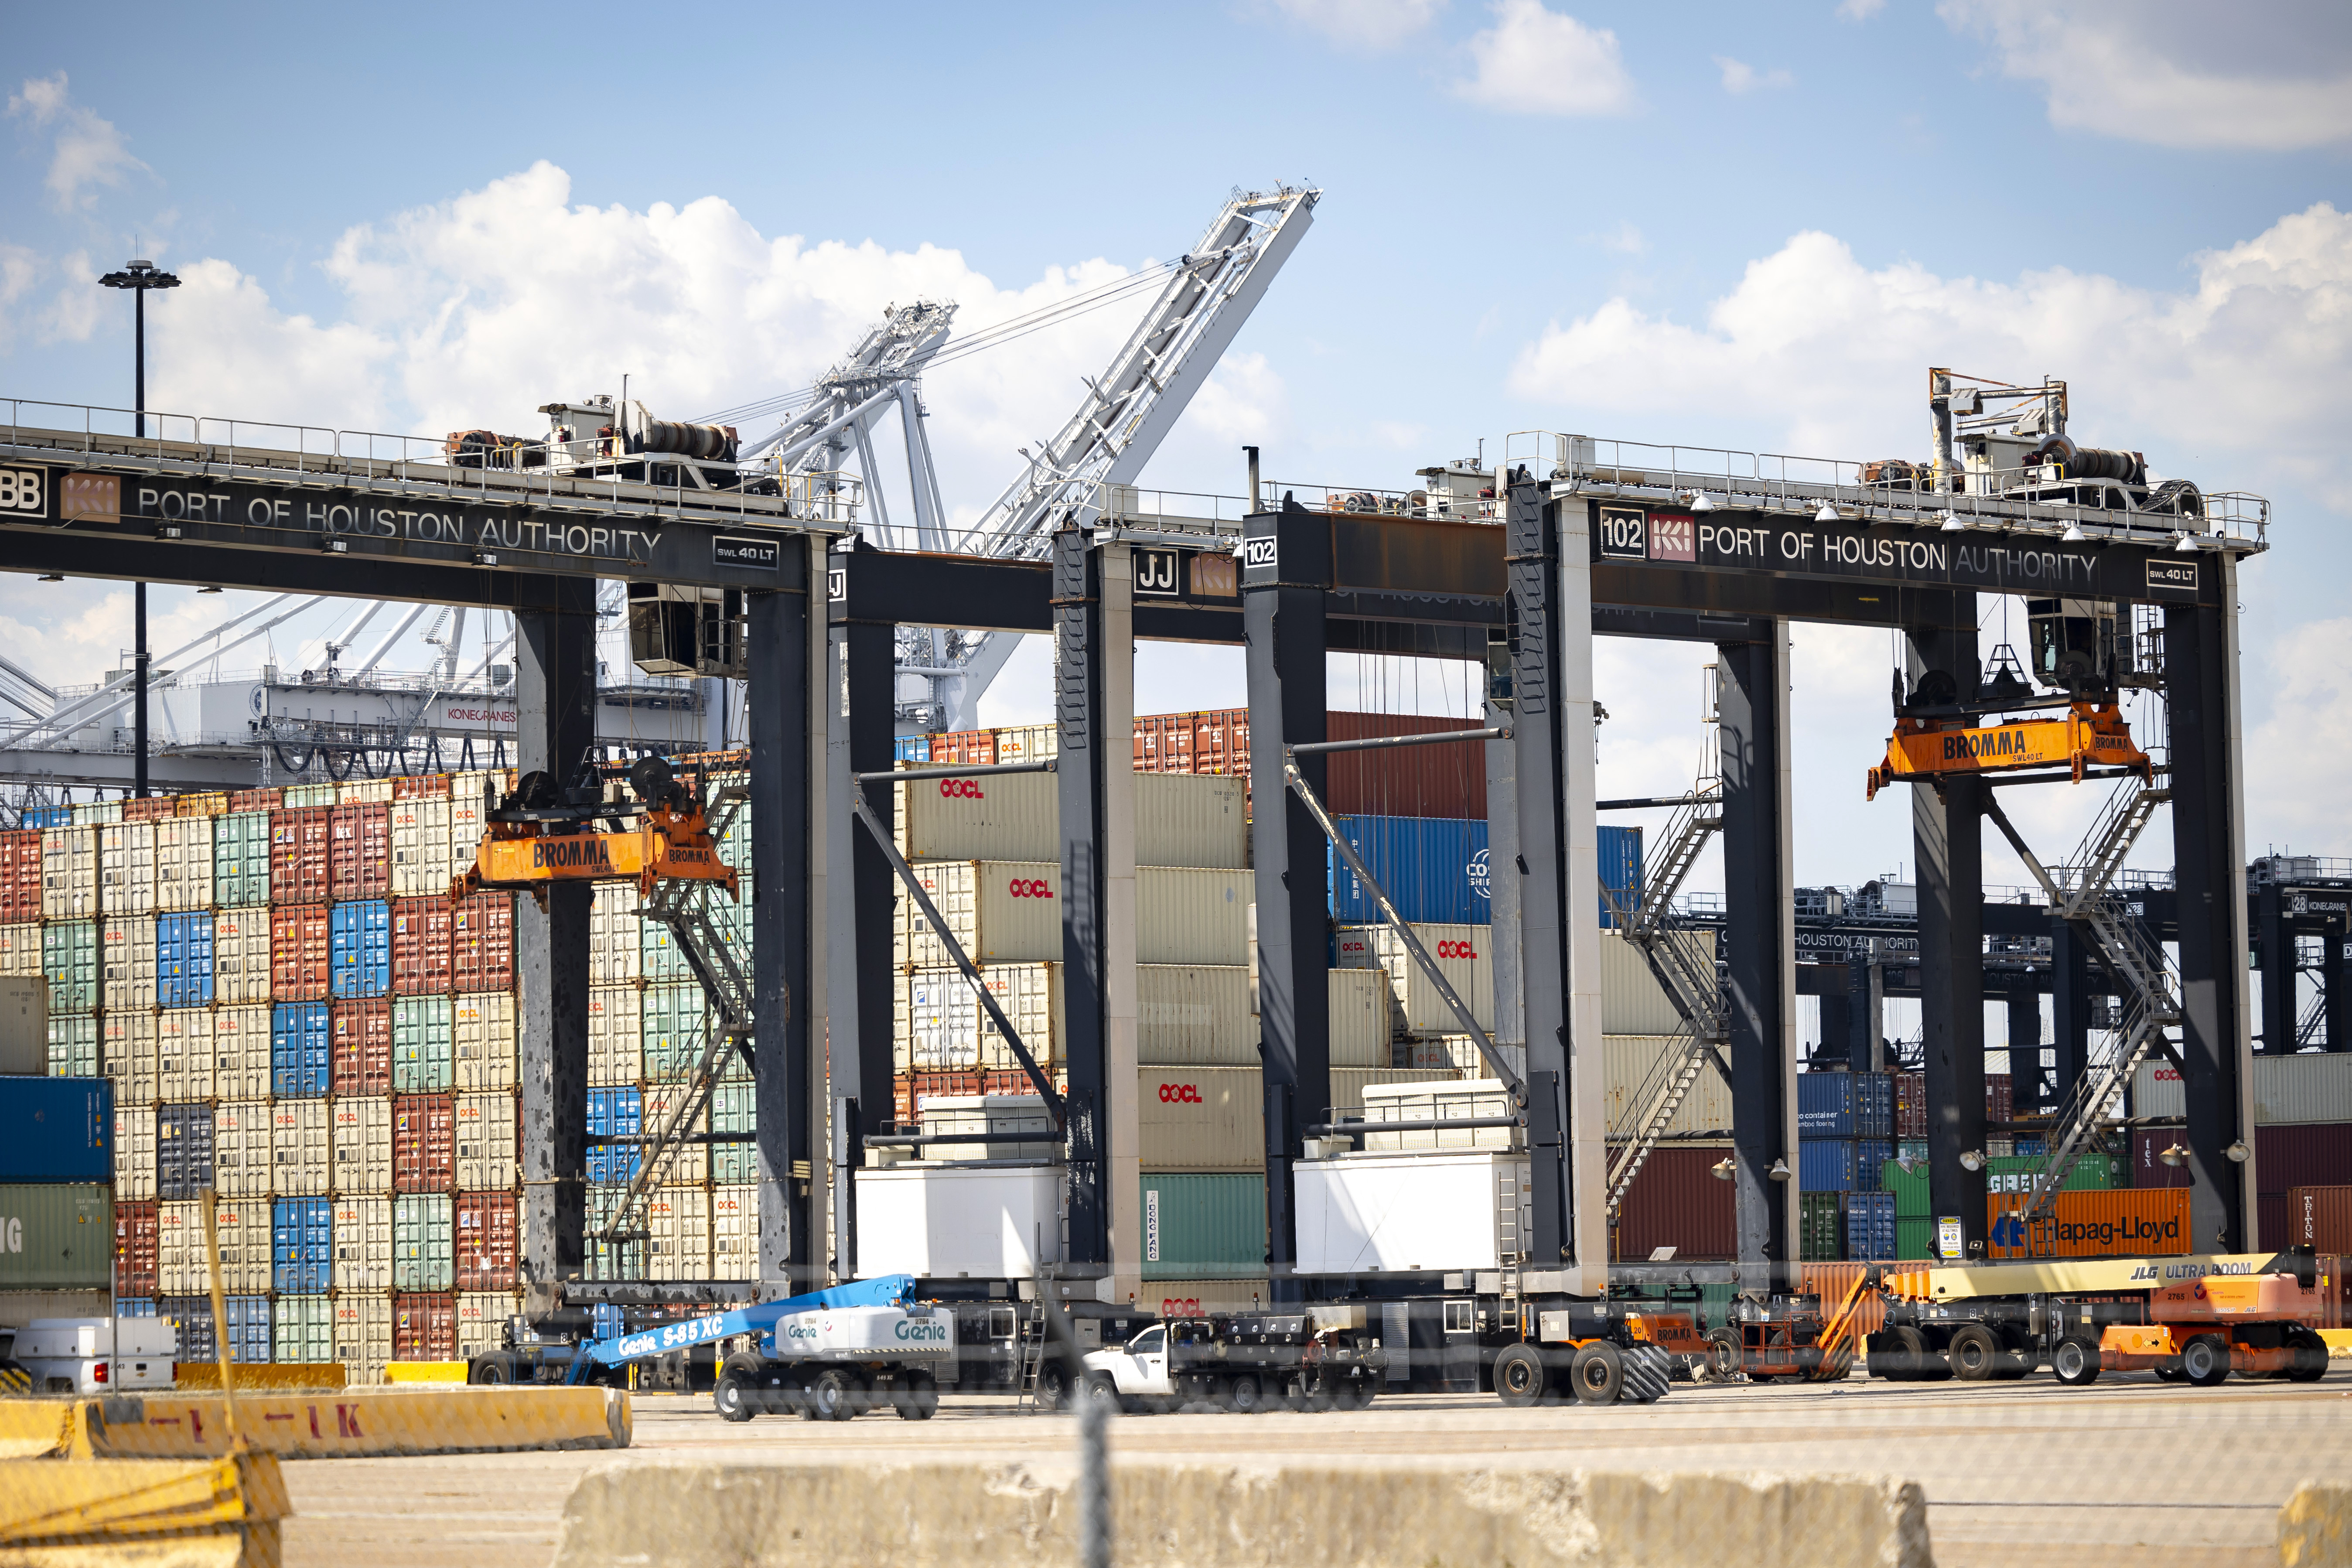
916,1396
1355,1394
2310,1363
1725,1358
1520,1376
2169,1374
1246,1395
1894,1353
1649,1375
1975,1354
2075,1361
833,1396
1597,1373
1103,1390
1053,1385
489,1372
733,1398
2205,1360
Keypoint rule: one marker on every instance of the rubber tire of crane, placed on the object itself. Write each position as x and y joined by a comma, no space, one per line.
833,1396
1520,1376
1647,1378
490,1373
1053,1385
1597,1373
1975,1354
2075,1361
2310,1356
1352,1393
1726,1357
1245,1395
915,1396
733,1397
2205,1361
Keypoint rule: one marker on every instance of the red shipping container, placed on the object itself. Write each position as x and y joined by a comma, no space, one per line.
360,1046
975,747
1677,1201
2316,1217
1220,741
2148,1166
424,1142
299,855
1406,781
298,953
481,942
421,786
1911,1103
425,1328
134,1248
1176,743
2001,1099
486,1241
420,946
359,861
1146,745
255,799
155,808
2302,1154
20,876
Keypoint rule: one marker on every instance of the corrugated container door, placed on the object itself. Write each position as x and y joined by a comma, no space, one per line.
483,1050
423,1328
20,877
614,935
680,1218
70,961
126,867
179,1248
486,1241
183,1054
134,1248
241,1160
421,1050
360,953
360,1136
615,1036
244,1245
486,1134
240,956
134,1152
423,1251
735,1231
302,1245
298,855
69,873
183,1150
481,1321
362,1240
610,1259
73,1047
360,1044
126,1044
674,1038
423,1144
127,954
304,1330
298,952
300,1148
420,946
241,859
481,942
20,949
1203,1226
363,1335
300,1043
734,1108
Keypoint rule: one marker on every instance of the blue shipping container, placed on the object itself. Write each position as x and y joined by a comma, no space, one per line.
912,748
358,948
303,1246
57,1129
183,960
1432,867
192,1316
1841,1164
1620,871
615,1113
1845,1105
183,1152
300,1047
48,816
1869,1226
248,1328
134,1306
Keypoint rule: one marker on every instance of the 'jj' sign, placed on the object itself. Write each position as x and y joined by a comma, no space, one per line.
1158,573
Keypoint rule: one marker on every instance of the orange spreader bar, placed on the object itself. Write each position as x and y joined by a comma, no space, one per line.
2087,737
666,848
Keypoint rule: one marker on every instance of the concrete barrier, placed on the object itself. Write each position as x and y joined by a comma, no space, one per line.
158,1513
371,1423
1218,1516
2314,1528
31,1428
197,1376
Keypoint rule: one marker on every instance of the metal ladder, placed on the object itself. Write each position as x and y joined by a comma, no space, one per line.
683,907
1696,996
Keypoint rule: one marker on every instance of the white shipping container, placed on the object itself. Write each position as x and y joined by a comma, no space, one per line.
679,1216
1201,1117
241,1148
617,1048
481,1319
486,1128
126,958
948,1222
735,1232
1418,1213
300,1162
184,863
1348,1084
1180,819
241,956
660,1101
362,1238
361,1135
1464,955
97,812
1638,1068
69,873
364,792
1202,1298
363,1335
1448,1055
245,1247
20,949
1027,743
614,934
941,1115
940,1025
180,1266
421,864
1194,1014
183,1054
134,1153
2316,1086
126,1052
241,1053
1361,1012
482,1040
1432,1100
1632,1002
126,870
1009,911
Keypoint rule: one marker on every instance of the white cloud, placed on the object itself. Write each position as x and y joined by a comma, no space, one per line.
88,150
2229,380
2305,745
1537,62
1363,24
1626,237
2269,78
1738,77
1860,10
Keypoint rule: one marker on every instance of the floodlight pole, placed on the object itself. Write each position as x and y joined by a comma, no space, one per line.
139,277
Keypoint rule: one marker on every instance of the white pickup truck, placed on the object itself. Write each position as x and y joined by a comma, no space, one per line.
1313,1360
97,1356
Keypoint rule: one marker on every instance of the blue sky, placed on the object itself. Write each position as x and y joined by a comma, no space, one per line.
1745,226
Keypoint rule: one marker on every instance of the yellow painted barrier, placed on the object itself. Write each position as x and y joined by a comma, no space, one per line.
219,1513
2339,1343
374,1422
425,1371
30,1429
191,1376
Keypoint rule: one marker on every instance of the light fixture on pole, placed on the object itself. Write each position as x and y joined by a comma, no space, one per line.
1972,1159
1780,1171
2174,1155
1829,513
2073,534
139,275
1699,501
1723,1169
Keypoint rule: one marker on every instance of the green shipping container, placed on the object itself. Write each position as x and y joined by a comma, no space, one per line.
73,1047
2003,1173
57,1236
302,1330
420,1044
1820,1227
69,964
674,1038
1915,1238
241,859
1204,1228
423,1253
734,1108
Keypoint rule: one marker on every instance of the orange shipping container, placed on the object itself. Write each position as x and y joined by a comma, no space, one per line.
358,864
298,953
2318,1217
254,799
420,946
1831,1281
2125,1223
299,845
421,786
